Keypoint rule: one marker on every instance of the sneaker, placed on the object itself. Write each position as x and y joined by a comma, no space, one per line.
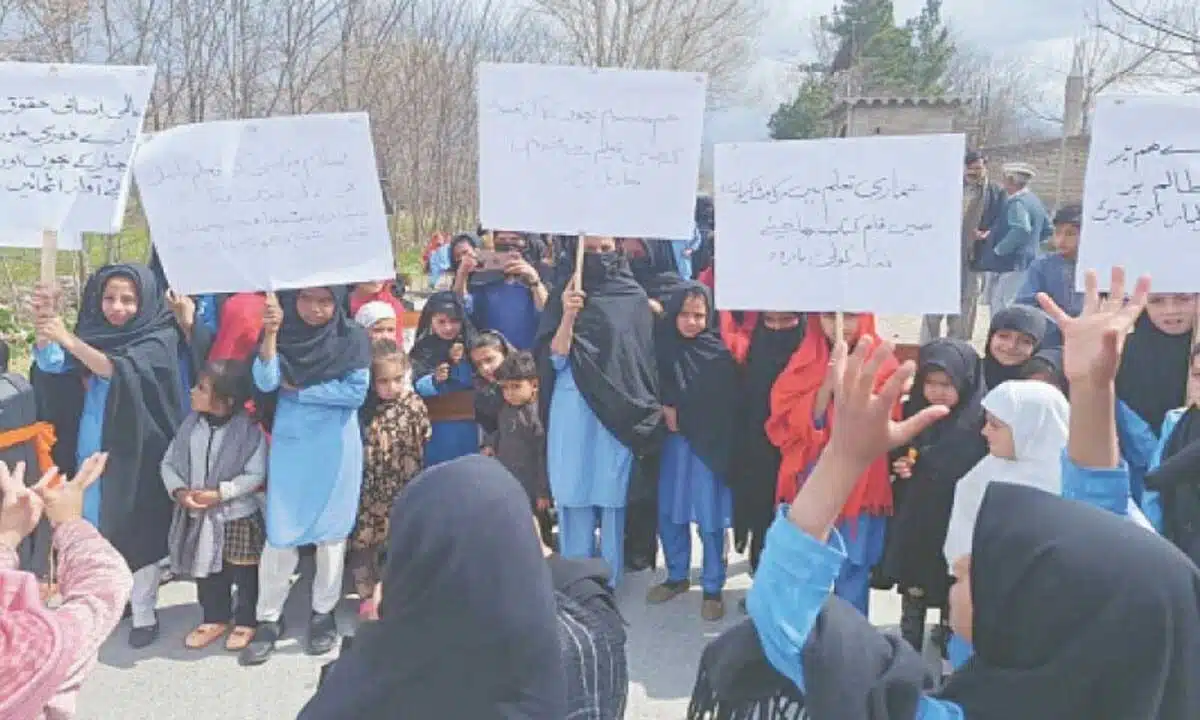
712,608
322,633
140,637
262,647
667,591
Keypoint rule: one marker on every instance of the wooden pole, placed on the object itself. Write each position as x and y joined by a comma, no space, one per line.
49,256
579,262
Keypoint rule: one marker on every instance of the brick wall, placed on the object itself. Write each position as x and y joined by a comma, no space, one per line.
899,120
1047,158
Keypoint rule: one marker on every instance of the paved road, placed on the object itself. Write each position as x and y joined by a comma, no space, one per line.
169,682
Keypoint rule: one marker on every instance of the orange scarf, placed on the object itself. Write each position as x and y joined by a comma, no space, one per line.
791,427
737,335
42,436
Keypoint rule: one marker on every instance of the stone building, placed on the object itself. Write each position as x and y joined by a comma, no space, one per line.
864,116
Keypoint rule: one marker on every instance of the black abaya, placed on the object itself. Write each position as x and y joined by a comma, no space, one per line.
1023,319
1154,368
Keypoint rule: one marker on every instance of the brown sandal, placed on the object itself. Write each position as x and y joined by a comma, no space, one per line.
239,638
205,635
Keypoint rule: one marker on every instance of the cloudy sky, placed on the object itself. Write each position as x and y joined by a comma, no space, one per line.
1040,30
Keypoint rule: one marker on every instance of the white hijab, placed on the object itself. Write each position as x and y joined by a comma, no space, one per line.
1039,416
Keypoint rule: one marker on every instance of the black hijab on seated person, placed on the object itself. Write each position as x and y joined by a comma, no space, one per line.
612,353
144,408
699,378
1030,321
467,627
1078,613
946,451
312,355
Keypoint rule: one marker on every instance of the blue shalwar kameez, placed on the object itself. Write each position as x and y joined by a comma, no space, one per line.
689,492
451,438
589,475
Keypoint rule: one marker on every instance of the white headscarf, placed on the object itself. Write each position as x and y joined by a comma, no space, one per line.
374,311
1039,416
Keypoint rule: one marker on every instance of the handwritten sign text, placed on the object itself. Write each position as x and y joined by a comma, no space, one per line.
859,224
67,136
607,152
266,204
1142,191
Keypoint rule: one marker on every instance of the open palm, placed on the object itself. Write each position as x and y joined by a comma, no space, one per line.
1093,342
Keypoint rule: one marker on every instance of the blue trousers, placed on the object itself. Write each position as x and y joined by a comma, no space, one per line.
854,586
677,549
577,536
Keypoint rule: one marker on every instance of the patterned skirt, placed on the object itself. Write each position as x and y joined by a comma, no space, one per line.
244,540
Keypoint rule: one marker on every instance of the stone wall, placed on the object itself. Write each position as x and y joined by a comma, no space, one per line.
1047,157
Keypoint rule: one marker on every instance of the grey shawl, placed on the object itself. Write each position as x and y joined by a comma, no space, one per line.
196,539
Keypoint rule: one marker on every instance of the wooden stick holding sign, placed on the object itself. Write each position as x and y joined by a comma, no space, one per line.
578,280
839,327
49,256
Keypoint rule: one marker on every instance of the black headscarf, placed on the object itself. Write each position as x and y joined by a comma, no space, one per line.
699,378
429,349
946,451
1048,361
752,478
489,398
1177,480
1023,319
612,353
1153,375
312,355
467,627
144,408
1057,586
657,272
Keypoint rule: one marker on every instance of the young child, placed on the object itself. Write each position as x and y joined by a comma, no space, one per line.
379,318
949,374
520,440
396,428
215,469
443,335
488,351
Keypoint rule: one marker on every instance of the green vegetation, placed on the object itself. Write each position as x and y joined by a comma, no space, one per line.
884,58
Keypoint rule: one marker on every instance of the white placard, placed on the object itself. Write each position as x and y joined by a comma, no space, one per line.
284,202
572,150
67,135
1141,199
845,224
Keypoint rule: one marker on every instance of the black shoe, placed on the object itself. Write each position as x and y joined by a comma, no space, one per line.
262,647
322,633
140,637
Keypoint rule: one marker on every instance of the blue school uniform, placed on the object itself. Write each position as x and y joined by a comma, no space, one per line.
451,438
689,492
796,571
52,359
315,467
589,472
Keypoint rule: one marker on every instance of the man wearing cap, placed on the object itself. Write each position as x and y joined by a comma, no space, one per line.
983,210
1006,257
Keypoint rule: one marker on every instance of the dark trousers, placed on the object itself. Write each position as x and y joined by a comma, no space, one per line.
215,593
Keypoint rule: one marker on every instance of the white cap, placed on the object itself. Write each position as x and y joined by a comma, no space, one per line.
1019,168
373,312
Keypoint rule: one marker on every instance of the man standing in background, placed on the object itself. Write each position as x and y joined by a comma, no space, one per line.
1006,256
983,207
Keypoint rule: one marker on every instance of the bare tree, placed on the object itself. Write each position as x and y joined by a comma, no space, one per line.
712,36
1168,30
999,92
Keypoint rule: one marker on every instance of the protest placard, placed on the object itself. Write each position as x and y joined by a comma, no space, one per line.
67,136
574,150
867,224
1141,198
283,202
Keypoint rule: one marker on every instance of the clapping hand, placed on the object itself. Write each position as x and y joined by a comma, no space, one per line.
1093,342
63,499
20,507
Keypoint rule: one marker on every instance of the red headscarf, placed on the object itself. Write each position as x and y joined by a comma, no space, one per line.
737,335
792,430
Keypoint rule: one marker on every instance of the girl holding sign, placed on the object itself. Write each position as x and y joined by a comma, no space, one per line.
317,361
121,366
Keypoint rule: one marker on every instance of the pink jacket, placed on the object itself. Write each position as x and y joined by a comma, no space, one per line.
45,654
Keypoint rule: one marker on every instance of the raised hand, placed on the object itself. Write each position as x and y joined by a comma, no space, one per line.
64,498
863,428
183,307
1094,341
20,509
272,315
